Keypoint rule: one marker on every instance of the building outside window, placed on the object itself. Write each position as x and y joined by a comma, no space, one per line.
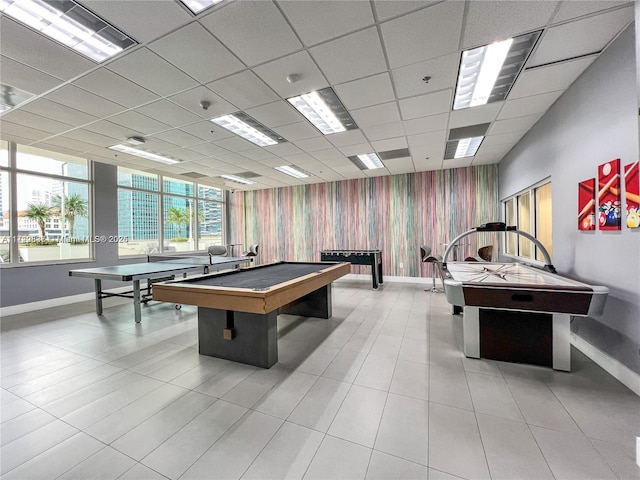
45,204
530,211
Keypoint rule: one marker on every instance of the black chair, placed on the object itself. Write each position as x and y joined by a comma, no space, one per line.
486,253
217,250
434,260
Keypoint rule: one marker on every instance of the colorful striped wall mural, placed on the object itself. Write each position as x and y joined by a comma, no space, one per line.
396,214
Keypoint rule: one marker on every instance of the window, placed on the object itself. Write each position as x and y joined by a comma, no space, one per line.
530,212
45,204
178,217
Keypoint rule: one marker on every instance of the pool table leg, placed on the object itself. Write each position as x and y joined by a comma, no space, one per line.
471,331
137,313
561,342
98,288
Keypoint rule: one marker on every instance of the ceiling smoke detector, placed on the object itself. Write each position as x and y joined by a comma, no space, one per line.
135,141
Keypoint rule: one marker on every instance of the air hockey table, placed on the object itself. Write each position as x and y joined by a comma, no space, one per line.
518,313
237,310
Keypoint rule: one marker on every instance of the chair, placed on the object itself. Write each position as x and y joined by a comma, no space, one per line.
486,253
252,252
217,250
434,260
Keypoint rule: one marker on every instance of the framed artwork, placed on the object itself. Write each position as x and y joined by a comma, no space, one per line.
632,194
587,204
609,217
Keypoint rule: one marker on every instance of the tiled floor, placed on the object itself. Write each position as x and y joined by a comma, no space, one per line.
379,391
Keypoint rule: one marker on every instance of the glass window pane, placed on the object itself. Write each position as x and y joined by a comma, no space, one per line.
137,179
510,219
178,187
544,219
209,224
178,220
53,219
524,224
5,247
4,154
43,161
209,193
138,213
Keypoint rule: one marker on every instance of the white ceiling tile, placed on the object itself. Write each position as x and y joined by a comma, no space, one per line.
329,175
589,35
409,80
494,20
390,144
313,144
432,153
318,21
381,132
257,154
265,36
350,171
244,90
272,162
297,131
327,155
185,154
157,145
423,165
84,101
554,77
275,74
426,124
209,149
70,143
579,8
235,144
178,137
57,148
342,161
355,56
521,107
475,115
281,149
206,130
425,105
457,163
191,100
359,149
399,165
428,33
486,159
24,77
37,51
386,9
59,112
513,124
169,113
498,150
139,122
300,159
342,139
275,114
510,138
430,138
150,71
14,130
143,21
93,138
28,119
112,130
376,115
209,61
366,92
113,87
376,172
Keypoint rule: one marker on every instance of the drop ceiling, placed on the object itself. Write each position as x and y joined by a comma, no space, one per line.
237,56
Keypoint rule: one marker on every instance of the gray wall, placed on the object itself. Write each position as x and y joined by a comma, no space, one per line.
26,284
594,121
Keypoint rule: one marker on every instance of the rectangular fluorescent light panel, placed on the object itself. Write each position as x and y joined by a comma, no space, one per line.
292,171
368,161
249,128
70,24
142,154
196,6
12,96
464,147
235,178
487,73
324,110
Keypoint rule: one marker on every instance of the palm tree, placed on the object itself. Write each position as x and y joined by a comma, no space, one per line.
179,216
74,206
40,212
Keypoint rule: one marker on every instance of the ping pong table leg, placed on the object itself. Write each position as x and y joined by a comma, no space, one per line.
471,331
98,289
137,314
561,342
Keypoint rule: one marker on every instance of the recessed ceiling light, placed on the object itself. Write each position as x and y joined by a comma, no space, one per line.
196,6
142,154
464,147
235,178
368,161
487,73
324,110
70,24
12,96
292,171
249,128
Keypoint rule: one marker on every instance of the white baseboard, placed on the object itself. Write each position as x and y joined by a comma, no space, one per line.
389,279
625,375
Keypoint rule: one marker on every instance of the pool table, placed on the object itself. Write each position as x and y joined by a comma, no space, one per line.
519,313
237,310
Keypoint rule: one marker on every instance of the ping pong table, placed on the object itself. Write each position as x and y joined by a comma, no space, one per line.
157,268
